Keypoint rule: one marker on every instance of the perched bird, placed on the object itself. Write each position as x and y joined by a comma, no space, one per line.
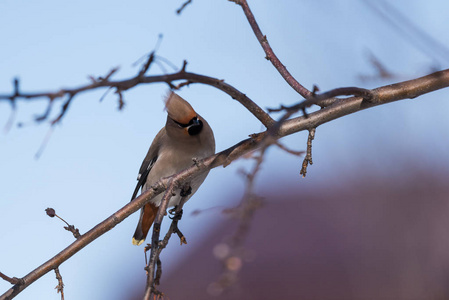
185,137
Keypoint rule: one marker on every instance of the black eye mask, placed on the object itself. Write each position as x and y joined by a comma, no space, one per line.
194,127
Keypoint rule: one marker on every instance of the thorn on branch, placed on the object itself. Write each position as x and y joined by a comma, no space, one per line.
308,159
184,65
13,280
60,287
183,6
52,213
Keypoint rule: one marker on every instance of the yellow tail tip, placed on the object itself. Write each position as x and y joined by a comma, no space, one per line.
137,242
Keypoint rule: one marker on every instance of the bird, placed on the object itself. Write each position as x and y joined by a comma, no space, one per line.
185,138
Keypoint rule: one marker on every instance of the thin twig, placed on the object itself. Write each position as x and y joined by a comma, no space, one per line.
381,71
270,53
243,213
51,213
13,280
126,84
121,102
44,143
183,6
156,263
328,97
308,158
64,108
60,287
150,287
12,116
147,64
293,152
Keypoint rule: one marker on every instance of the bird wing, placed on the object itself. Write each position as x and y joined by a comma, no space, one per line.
142,178
148,162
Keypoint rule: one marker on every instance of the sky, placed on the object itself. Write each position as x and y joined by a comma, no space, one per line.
88,167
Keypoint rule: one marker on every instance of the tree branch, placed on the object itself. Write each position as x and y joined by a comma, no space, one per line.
382,95
340,107
300,89
13,280
126,84
183,6
154,256
60,287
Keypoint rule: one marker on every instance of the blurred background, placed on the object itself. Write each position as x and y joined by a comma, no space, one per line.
368,222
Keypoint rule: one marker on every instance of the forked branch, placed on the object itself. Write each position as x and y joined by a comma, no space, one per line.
124,85
381,95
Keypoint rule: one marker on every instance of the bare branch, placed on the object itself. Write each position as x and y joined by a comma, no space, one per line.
14,280
381,71
51,213
308,159
156,263
293,152
60,287
154,254
64,108
232,261
381,95
324,99
121,102
269,52
183,6
147,64
124,85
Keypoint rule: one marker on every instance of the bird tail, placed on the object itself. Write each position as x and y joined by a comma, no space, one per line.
147,216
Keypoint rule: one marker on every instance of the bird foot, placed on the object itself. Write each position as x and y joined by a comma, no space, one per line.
186,191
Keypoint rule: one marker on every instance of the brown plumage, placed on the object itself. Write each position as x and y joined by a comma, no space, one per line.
186,136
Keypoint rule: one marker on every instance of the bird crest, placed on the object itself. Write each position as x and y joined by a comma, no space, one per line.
179,109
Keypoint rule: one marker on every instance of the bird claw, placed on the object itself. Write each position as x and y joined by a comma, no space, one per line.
176,216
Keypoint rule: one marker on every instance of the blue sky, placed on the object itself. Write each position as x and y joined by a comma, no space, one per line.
88,168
